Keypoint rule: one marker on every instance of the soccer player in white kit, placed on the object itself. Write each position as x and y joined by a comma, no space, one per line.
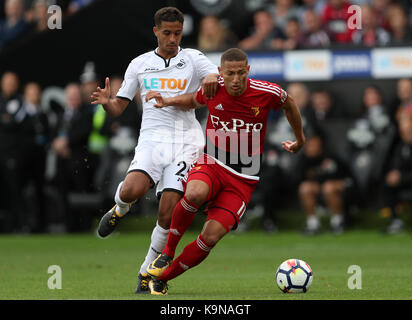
170,139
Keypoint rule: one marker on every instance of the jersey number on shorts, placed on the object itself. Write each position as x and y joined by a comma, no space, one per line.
181,172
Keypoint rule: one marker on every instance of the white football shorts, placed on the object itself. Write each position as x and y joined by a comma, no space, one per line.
164,163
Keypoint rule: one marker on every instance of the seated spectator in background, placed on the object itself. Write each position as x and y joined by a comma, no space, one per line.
13,25
370,34
36,150
334,18
380,10
71,146
262,34
323,177
398,180
314,36
301,95
399,27
282,11
374,111
278,167
404,93
323,108
317,6
369,141
214,36
293,36
40,16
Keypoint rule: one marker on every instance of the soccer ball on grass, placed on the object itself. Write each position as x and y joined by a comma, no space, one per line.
293,276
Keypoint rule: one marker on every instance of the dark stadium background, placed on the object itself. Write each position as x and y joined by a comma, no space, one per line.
112,33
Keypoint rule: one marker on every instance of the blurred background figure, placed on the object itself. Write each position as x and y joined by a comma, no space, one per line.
279,169
323,178
71,146
404,94
399,27
214,36
12,123
76,5
293,36
334,18
398,180
14,24
262,33
323,108
314,36
282,11
122,133
317,6
36,150
370,34
39,16
369,141
380,11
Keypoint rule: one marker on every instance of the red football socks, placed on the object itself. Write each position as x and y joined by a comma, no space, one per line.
193,254
182,217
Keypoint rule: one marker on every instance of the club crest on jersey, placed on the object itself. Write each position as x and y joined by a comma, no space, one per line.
181,64
255,111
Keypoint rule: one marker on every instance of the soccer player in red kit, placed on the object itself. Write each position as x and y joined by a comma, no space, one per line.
225,176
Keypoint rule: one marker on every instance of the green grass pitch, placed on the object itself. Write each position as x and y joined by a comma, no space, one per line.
241,267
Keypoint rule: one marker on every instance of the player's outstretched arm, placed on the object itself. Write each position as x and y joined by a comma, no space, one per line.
113,106
292,113
184,101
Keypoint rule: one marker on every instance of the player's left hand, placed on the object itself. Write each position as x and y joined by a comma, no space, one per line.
160,103
292,146
209,85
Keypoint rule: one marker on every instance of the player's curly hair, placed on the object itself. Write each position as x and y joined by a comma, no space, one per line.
169,14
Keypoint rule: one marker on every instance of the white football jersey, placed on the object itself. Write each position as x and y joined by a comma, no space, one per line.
178,75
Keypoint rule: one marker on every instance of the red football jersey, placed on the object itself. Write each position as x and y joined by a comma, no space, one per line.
237,125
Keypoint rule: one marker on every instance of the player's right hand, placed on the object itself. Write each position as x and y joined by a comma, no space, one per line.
102,96
160,102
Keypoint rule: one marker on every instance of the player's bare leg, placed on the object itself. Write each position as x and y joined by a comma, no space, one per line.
135,186
308,193
332,191
168,201
196,194
192,255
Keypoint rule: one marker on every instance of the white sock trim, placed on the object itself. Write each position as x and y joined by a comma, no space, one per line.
117,199
157,244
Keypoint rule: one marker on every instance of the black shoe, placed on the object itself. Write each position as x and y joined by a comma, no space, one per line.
159,265
158,287
108,222
142,283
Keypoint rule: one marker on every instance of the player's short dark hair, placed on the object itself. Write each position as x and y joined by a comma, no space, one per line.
169,14
233,54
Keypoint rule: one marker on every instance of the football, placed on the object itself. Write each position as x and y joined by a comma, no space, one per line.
294,276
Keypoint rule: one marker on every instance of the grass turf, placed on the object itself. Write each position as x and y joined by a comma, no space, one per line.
241,267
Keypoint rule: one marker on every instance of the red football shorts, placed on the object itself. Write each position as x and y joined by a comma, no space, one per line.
229,193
